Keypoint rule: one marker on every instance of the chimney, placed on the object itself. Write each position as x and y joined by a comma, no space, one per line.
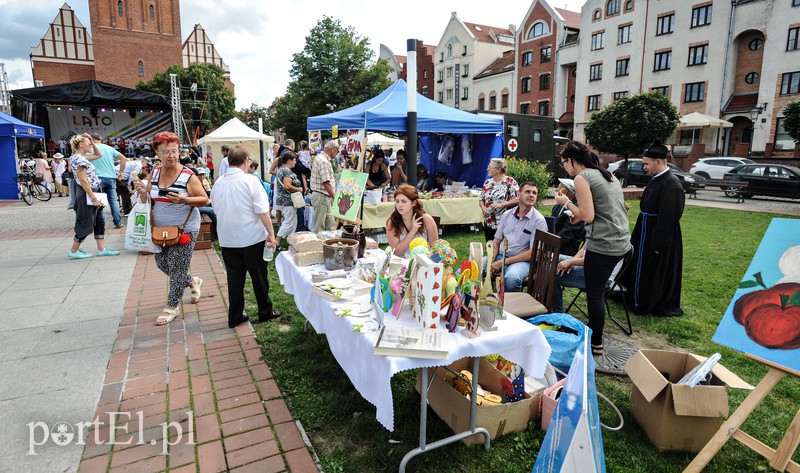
512,29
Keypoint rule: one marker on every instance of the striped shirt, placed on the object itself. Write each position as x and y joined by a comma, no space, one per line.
165,213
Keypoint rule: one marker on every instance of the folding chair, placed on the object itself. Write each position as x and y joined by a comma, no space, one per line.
616,285
541,279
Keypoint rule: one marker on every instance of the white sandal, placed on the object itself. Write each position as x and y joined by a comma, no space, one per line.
168,315
195,290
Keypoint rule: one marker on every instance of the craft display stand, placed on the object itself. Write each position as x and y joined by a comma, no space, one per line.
781,458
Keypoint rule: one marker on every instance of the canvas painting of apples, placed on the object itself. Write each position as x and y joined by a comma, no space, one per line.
763,319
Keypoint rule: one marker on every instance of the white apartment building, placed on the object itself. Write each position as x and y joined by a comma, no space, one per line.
464,50
735,60
492,85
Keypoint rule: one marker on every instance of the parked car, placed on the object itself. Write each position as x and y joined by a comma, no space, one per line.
775,180
716,167
639,178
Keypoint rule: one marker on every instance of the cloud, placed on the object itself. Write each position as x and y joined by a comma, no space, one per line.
22,28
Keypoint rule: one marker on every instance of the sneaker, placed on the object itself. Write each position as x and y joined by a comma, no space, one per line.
108,252
119,225
80,254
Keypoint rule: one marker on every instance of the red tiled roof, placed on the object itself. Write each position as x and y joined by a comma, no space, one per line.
429,50
500,65
742,103
571,19
481,32
568,117
401,59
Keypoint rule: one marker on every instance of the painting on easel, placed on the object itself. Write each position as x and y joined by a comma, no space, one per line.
763,319
349,192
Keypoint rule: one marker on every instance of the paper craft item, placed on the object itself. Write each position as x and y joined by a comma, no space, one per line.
349,191
102,196
469,312
476,255
452,308
428,284
487,282
382,294
489,311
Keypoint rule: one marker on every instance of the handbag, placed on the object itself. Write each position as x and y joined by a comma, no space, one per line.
166,236
298,201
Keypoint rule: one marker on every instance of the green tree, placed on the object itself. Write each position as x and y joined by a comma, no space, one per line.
625,127
791,120
250,115
220,106
335,69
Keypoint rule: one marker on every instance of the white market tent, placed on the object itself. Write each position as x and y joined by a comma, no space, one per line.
697,120
380,140
234,132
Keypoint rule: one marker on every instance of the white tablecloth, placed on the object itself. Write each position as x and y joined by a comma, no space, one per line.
515,339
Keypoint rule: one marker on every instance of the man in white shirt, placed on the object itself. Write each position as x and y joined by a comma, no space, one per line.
244,228
224,164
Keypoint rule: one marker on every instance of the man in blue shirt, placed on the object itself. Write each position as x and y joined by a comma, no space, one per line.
104,165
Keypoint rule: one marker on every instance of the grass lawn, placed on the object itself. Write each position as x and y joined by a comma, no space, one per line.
718,247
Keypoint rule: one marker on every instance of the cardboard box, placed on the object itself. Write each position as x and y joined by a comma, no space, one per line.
674,416
453,407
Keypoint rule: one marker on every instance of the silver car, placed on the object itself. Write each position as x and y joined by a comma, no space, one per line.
716,167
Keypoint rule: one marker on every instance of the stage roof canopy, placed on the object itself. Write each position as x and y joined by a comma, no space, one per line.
91,93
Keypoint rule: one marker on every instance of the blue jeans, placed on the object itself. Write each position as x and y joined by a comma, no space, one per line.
514,276
109,186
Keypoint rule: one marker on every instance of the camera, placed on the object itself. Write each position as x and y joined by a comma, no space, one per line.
164,192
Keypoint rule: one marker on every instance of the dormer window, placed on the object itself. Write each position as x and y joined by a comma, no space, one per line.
449,50
539,29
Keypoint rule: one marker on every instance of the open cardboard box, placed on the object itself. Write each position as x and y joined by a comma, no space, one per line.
453,407
676,416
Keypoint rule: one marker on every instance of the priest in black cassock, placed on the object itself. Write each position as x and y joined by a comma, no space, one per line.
653,280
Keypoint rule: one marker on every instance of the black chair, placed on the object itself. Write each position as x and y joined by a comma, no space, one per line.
616,285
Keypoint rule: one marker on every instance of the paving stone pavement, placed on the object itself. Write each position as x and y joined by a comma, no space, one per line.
77,342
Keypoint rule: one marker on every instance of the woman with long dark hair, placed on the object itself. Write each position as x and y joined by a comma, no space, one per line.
601,206
409,221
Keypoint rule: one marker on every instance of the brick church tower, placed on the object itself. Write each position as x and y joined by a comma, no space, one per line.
134,39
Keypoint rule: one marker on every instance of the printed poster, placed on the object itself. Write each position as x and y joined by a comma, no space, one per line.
349,192
109,123
763,318
356,147
314,140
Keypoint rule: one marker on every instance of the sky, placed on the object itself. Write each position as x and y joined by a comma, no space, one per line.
257,38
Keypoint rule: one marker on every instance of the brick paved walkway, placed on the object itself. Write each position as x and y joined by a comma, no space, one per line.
197,373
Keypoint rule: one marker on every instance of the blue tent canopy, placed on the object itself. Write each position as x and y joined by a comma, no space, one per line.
16,128
388,111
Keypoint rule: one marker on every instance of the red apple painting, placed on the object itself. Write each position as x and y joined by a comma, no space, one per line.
763,319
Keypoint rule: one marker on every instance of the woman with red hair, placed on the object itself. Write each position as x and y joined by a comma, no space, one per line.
409,221
176,195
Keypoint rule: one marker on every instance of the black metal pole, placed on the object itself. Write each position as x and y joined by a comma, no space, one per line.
411,76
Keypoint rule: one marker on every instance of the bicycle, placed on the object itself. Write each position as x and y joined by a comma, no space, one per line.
31,186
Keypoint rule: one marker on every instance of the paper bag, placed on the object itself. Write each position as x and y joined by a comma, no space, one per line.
137,231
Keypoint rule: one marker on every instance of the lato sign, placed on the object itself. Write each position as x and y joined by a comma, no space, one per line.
512,145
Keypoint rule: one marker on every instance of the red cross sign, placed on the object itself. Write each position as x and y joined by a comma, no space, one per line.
512,145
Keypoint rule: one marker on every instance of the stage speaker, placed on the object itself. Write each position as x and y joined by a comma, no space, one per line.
132,113
93,112
195,116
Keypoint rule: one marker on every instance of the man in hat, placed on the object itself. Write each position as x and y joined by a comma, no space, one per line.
572,234
653,279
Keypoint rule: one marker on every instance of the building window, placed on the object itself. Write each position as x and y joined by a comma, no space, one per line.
450,72
465,93
593,103
119,7
191,48
695,92
425,90
612,7
504,101
208,49
790,83
595,72
544,108
544,82
624,34
796,3
620,95
792,43
629,5
623,67
756,44
751,78
572,98
424,73
58,32
465,70
598,40
663,61
141,69
596,15
493,102
539,29
782,138
441,97
481,103
525,108
698,55
546,54
527,58
701,16
441,75
449,50
464,53
152,12
449,94
661,90
80,34
665,24
526,84
441,57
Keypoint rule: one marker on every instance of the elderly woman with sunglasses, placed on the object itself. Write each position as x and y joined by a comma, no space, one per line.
176,196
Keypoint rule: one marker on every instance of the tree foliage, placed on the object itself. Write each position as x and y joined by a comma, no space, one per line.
335,68
627,126
250,115
791,120
220,106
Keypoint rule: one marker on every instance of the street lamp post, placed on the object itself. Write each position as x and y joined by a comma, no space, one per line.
754,113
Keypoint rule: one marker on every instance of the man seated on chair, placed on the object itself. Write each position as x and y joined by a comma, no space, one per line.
569,273
572,234
518,225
